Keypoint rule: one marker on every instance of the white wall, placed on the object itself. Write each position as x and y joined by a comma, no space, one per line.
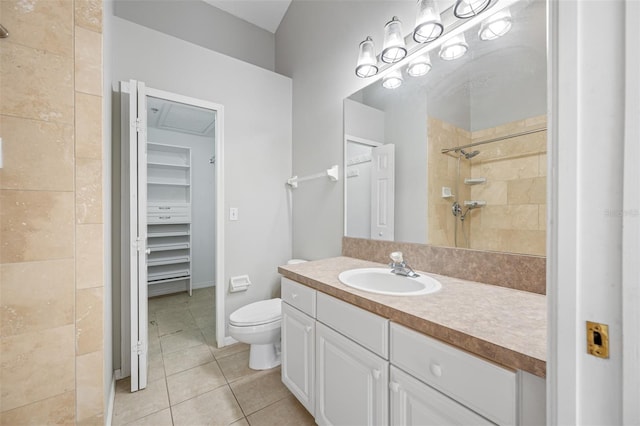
317,45
257,143
200,23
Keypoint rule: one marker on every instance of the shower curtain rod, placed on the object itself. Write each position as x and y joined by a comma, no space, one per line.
501,138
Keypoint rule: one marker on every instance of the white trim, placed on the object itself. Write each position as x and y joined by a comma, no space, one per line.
631,223
108,418
118,374
228,340
361,141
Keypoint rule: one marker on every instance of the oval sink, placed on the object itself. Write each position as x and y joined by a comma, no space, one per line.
382,281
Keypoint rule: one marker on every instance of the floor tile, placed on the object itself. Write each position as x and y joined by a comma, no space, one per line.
236,366
185,359
260,390
242,422
286,412
217,407
160,418
193,382
226,351
130,406
181,340
175,323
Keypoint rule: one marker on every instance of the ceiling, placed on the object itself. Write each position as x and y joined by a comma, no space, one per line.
266,14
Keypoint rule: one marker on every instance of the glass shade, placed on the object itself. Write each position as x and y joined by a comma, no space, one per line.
454,48
470,8
419,66
367,63
428,23
393,48
392,80
495,26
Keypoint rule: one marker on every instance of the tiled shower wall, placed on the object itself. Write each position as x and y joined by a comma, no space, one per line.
514,219
51,224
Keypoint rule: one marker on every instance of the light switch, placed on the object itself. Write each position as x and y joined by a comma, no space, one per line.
233,213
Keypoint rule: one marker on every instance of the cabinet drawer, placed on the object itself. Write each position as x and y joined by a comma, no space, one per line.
158,218
299,296
168,208
480,385
367,329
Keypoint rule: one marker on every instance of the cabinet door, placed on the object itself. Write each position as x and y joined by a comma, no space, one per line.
414,403
352,382
298,354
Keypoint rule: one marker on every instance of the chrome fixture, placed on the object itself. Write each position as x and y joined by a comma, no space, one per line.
428,22
454,48
495,26
469,155
428,30
393,48
392,80
367,62
400,267
4,33
465,9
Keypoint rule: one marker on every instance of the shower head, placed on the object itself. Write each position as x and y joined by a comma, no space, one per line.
469,155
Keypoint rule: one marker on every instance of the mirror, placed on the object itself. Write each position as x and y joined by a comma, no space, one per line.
468,143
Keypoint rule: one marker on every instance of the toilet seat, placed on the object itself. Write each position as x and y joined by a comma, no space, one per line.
257,313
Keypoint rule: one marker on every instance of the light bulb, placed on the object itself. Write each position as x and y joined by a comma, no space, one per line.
428,23
454,48
367,63
419,66
495,26
392,80
393,48
469,8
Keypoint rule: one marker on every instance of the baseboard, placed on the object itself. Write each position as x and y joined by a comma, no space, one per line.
228,340
118,374
112,397
204,284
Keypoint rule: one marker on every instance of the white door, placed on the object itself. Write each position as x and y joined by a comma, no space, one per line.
382,192
413,403
134,195
298,355
352,382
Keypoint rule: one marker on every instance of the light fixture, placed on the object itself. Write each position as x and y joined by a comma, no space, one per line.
428,23
367,63
392,80
419,66
393,48
495,26
454,48
469,8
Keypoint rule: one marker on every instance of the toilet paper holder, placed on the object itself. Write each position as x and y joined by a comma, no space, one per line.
239,283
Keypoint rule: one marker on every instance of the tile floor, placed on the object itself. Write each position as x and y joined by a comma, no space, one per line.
192,382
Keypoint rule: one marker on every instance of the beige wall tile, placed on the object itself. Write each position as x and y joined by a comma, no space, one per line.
58,410
528,191
88,190
89,385
542,217
510,217
527,241
493,192
89,314
36,296
97,420
508,169
38,155
37,366
88,65
36,225
88,126
542,164
35,84
89,251
45,25
89,14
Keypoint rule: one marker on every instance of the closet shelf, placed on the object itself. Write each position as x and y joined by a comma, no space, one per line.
149,182
167,247
167,234
168,280
168,260
168,165
167,275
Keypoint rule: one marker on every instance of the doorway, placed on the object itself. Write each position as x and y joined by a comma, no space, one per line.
172,242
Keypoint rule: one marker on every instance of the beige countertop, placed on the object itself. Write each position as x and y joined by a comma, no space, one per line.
506,326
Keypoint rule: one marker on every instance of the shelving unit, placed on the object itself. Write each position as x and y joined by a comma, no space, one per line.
168,218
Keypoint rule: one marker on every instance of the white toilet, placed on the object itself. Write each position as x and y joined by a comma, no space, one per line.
258,324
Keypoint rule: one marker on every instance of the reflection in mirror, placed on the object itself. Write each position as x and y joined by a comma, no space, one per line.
470,146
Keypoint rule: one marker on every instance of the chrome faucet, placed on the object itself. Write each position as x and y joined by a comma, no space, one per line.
400,267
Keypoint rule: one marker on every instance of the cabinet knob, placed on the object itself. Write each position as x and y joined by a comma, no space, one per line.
308,329
148,251
436,370
395,387
376,374
294,295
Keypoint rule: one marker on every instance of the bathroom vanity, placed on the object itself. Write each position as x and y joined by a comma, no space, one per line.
469,354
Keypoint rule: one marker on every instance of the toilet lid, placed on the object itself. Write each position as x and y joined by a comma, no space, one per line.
262,312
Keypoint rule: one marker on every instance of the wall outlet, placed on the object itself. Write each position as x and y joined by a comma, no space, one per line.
233,213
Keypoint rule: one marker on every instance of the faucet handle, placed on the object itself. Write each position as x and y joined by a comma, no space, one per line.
396,256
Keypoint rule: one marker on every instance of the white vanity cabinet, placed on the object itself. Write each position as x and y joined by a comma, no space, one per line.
351,379
298,341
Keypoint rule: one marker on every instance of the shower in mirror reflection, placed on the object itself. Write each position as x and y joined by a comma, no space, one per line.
460,211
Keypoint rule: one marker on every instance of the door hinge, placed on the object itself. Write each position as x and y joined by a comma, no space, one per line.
140,243
138,125
136,349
